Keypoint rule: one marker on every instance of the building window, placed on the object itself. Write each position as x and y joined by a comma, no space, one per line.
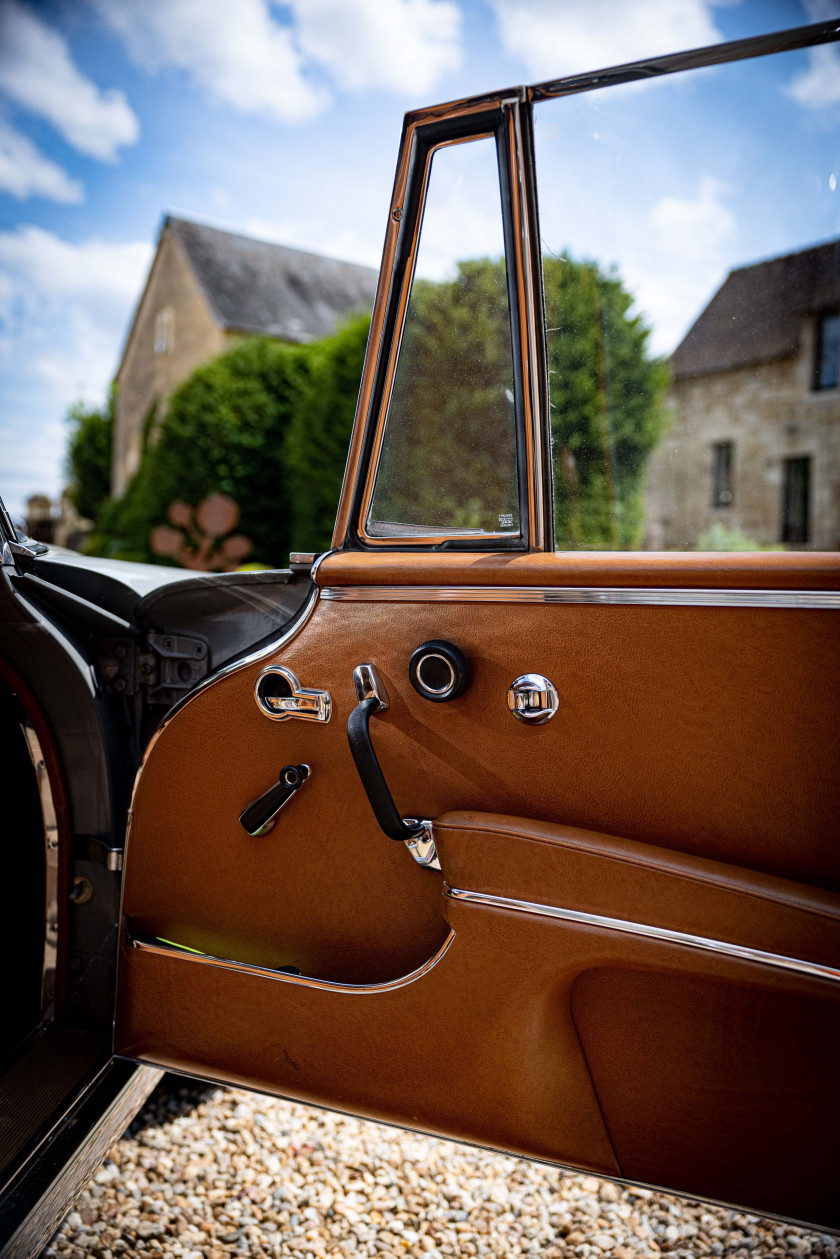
827,358
722,453
165,331
796,496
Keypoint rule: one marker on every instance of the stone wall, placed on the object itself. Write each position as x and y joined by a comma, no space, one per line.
770,413
147,376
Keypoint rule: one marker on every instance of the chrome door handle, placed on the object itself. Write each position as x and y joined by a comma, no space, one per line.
279,695
533,699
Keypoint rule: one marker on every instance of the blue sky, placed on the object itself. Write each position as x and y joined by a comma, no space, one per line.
282,120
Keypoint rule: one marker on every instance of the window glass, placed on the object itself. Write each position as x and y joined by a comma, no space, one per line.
722,495
796,500
691,257
828,352
448,461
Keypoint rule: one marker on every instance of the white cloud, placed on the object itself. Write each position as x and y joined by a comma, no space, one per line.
321,236
38,73
236,52
401,45
64,309
41,269
818,87
242,55
26,172
558,37
694,228
677,268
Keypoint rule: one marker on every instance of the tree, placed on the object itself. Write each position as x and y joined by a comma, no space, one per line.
319,433
89,455
449,456
223,432
268,425
607,412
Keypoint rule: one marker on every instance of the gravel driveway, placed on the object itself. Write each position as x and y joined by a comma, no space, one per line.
203,1174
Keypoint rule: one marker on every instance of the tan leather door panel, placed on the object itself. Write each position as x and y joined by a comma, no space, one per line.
599,874
688,781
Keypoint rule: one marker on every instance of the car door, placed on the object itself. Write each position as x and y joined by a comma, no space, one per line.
608,934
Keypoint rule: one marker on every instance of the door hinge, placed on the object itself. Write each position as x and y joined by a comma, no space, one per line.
163,667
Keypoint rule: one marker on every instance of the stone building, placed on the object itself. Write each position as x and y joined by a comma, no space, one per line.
205,289
754,443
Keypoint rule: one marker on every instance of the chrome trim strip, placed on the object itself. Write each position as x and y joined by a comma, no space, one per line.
160,948
642,596
740,951
34,1232
431,537
51,841
522,216
691,59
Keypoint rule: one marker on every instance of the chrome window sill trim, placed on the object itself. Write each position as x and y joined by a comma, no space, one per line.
161,948
636,596
739,951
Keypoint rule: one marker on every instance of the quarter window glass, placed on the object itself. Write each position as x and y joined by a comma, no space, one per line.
691,258
448,463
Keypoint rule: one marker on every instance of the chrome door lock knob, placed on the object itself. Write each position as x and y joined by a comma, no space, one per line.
533,699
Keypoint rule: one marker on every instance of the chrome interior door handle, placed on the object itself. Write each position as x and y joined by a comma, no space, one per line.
279,695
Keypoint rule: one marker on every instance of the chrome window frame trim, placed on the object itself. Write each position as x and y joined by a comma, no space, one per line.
640,596
512,137
151,944
432,536
516,104
740,952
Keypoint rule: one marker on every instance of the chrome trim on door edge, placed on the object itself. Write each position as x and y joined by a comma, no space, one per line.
163,948
637,596
740,951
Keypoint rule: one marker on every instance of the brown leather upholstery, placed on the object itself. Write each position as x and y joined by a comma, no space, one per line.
485,1048
768,570
697,746
724,1090
600,874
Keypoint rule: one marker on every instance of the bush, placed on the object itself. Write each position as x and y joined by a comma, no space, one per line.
319,433
718,537
266,424
224,432
89,456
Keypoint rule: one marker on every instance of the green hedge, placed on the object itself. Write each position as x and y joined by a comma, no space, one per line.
267,424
